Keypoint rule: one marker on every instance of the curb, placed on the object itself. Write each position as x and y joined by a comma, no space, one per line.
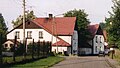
110,64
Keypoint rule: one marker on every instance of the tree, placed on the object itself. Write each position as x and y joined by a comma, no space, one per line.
29,16
82,24
3,28
81,16
102,25
113,23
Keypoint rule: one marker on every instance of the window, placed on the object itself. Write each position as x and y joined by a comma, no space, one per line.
96,39
6,45
40,34
100,40
96,48
29,34
11,45
17,33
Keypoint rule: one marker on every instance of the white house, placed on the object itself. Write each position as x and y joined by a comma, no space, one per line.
96,43
60,31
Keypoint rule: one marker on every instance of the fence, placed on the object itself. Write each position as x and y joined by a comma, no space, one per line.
22,53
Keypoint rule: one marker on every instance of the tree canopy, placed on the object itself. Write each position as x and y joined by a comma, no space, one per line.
113,24
81,16
82,24
28,16
3,28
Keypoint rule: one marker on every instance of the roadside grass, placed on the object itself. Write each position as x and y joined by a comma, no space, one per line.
116,56
41,63
18,59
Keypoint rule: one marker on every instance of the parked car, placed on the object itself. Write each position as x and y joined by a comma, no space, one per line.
101,53
107,51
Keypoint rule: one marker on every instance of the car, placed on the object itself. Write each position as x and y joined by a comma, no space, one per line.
101,53
107,51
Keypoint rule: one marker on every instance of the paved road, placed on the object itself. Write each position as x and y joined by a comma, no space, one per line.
83,62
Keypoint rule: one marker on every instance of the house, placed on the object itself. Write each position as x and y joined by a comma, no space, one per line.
10,43
60,31
96,43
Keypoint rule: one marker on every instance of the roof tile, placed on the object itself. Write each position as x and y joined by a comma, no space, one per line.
57,26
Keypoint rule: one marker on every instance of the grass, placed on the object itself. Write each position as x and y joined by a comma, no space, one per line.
116,56
42,63
18,59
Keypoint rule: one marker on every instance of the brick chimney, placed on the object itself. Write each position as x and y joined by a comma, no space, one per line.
50,16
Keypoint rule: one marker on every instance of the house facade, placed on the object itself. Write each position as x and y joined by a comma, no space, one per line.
97,42
60,31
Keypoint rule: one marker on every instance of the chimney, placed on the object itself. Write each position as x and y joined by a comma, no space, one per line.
50,16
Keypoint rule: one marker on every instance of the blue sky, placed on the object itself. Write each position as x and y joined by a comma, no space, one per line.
96,9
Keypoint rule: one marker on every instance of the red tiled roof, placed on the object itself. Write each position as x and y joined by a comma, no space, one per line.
93,28
61,43
57,26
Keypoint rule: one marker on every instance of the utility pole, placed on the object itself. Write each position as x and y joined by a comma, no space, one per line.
24,26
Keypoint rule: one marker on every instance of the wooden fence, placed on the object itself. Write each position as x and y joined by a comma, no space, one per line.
24,53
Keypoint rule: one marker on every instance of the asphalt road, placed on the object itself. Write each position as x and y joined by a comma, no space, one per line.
83,62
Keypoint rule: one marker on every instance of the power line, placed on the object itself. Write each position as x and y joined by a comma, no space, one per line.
18,2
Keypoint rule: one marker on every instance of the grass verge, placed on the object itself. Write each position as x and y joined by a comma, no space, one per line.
42,63
116,56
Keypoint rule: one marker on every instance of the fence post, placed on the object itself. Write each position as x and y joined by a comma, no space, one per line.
1,61
33,50
50,47
43,48
15,40
26,47
47,48
38,50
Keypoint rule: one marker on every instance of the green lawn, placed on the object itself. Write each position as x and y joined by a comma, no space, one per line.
42,63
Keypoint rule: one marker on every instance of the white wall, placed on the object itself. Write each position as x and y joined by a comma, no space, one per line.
85,51
98,46
35,35
66,38
75,43
46,36
59,49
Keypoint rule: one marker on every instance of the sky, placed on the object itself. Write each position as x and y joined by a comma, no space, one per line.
97,10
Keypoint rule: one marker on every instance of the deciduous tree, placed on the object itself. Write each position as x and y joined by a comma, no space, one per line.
28,16
82,24
113,24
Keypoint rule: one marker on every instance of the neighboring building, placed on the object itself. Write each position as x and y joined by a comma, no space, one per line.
96,43
60,31
10,43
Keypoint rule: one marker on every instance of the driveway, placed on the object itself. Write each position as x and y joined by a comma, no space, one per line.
83,62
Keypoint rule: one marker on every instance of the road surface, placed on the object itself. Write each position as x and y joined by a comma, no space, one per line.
83,62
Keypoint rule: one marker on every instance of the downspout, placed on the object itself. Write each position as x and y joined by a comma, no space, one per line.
71,45
92,46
